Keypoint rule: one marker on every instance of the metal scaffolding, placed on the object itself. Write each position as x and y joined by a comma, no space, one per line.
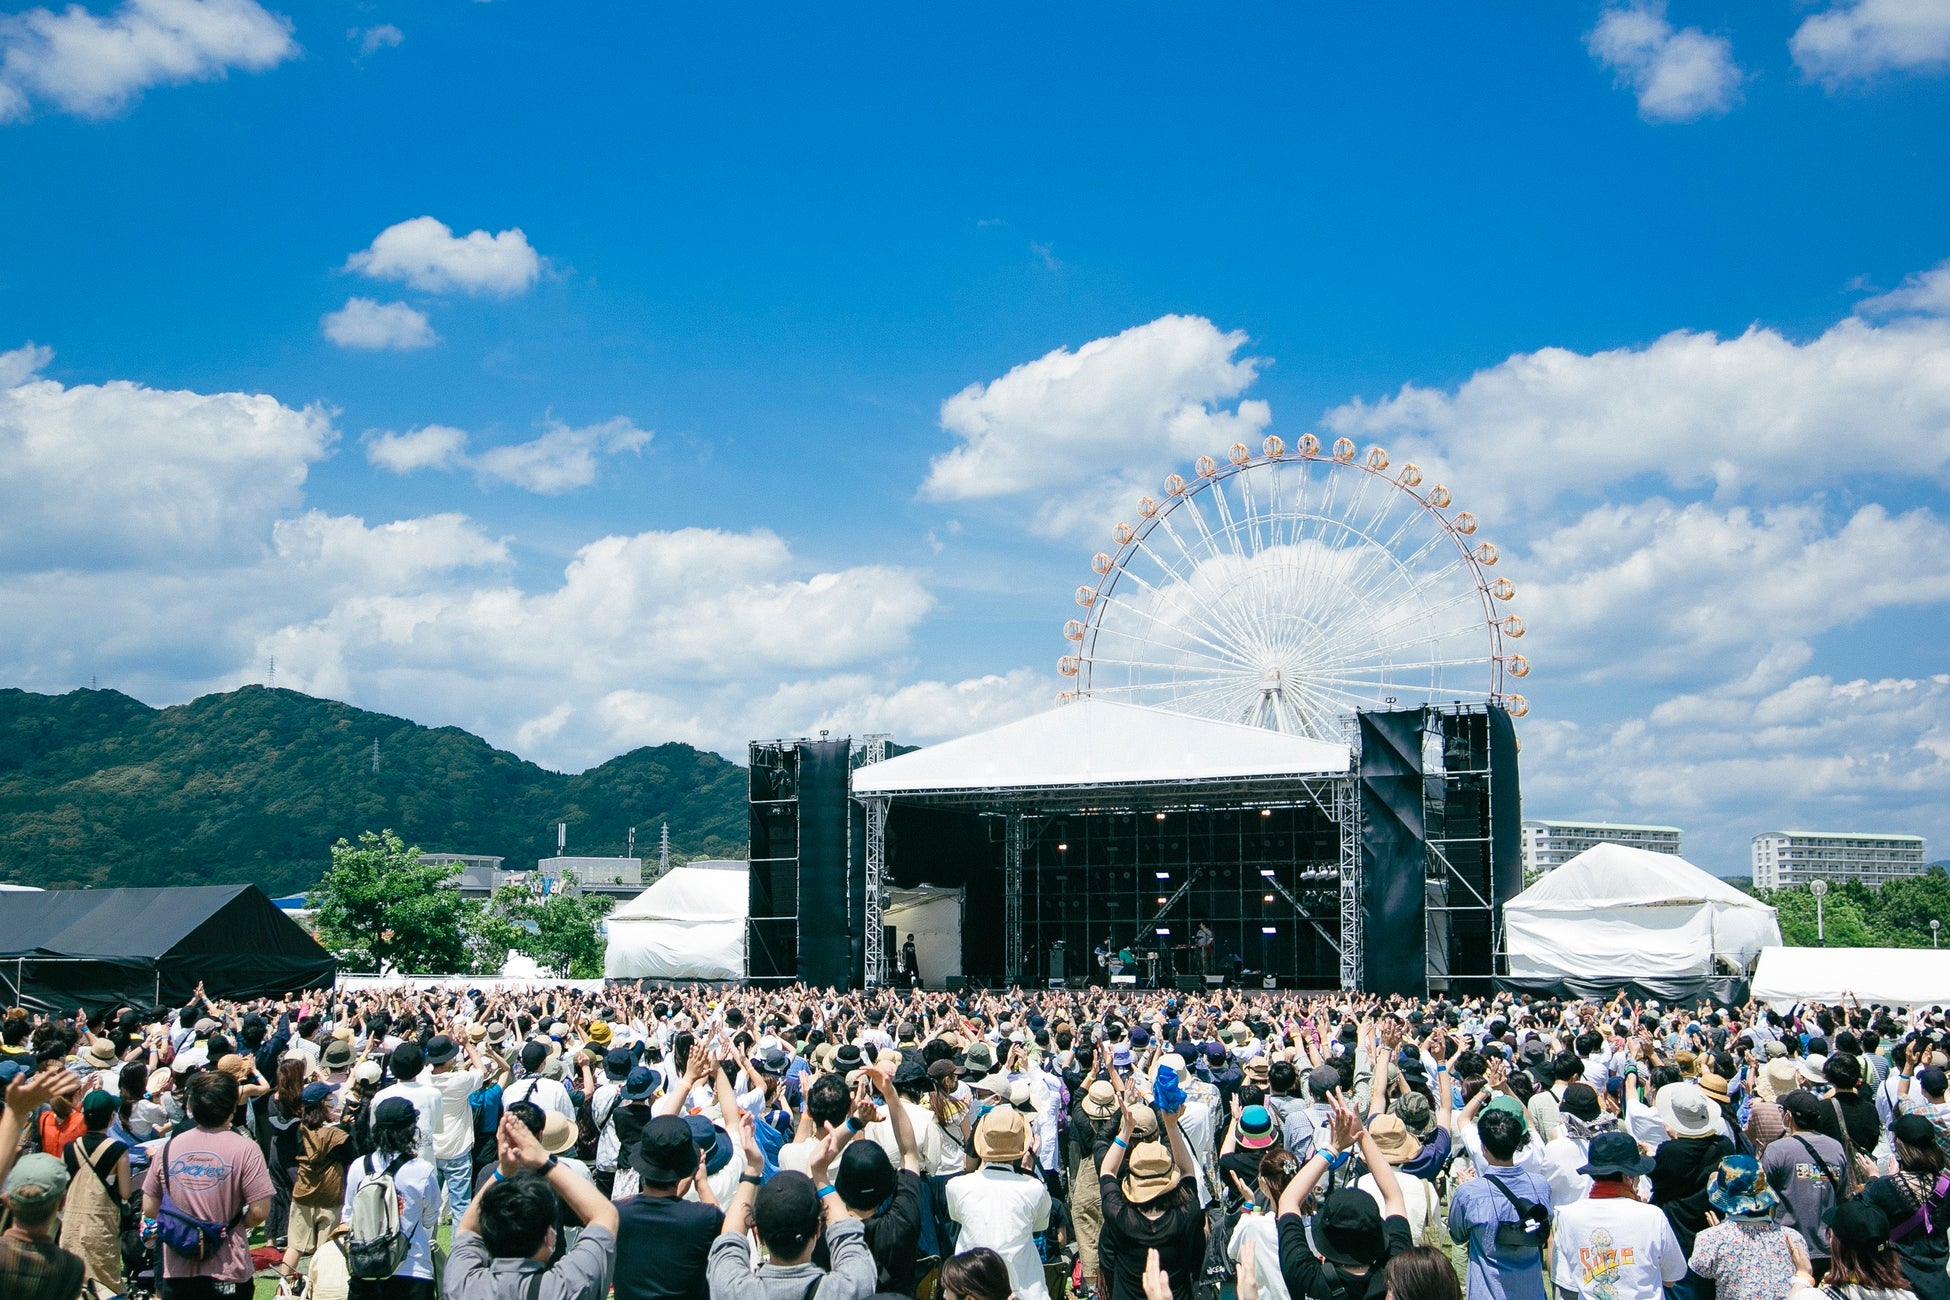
1012,902
872,750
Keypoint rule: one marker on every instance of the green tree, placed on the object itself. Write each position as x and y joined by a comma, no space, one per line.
379,905
1842,918
1901,911
566,935
492,933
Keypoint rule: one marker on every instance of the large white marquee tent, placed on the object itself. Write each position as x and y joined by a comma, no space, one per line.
688,925
1897,977
1615,916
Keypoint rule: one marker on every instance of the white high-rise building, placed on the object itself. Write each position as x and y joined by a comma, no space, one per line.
1784,858
1548,843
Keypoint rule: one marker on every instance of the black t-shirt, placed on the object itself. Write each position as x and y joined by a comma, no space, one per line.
893,1236
662,1245
1307,1277
1924,1254
1178,1235
1864,1125
1245,1165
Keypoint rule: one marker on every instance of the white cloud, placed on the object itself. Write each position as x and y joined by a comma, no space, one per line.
97,472
1678,75
1691,410
1710,589
425,254
369,324
437,446
1066,426
561,460
1857,39
1926,293
373,39
96,66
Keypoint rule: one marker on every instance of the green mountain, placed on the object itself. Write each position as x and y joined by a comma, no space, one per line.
97,788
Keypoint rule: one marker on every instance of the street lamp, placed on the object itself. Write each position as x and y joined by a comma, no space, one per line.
1933,930
1819,889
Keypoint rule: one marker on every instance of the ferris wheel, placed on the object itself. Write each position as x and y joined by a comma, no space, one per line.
1290,589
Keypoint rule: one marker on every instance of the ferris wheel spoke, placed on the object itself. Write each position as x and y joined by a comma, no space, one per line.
1217,625
1222,504
1175,640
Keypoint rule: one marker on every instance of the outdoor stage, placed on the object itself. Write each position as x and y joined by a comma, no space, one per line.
1378,865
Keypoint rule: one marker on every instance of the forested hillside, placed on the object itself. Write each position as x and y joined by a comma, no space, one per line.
97,788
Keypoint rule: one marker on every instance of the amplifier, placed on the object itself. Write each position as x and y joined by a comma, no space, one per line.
1124,979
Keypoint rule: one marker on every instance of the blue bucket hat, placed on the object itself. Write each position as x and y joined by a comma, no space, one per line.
642,1082
1737,1188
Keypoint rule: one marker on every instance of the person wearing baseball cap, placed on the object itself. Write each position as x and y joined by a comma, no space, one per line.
31,1264
1609,1245
1919,1181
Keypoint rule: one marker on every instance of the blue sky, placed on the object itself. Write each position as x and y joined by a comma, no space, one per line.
577,374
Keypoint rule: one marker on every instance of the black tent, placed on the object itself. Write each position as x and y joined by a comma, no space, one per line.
104,948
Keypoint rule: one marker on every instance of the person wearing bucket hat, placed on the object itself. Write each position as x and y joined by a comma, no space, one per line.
1684,1163
1610,1245
1350,1235
1000,1205
1150,1203
1094,1121
1399,1147
1747,1253
663,1239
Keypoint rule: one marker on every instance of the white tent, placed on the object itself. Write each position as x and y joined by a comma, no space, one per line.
1101,743
1896,977
1614,915
688,925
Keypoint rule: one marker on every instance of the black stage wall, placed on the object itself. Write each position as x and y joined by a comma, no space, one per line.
955,849
827,933
1393,859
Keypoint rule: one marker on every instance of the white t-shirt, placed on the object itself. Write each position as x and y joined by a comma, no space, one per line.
1418,1203
427,1101
454,1137
1264,1230
1003,1210
1615,1249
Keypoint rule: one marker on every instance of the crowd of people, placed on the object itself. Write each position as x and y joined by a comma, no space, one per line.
802,1144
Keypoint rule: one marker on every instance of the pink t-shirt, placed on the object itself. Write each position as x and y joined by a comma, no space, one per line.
213,1174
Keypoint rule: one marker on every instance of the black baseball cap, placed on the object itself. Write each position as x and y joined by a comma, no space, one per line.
865,1177
786,1212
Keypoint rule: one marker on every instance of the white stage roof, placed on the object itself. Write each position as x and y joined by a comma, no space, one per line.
1101,743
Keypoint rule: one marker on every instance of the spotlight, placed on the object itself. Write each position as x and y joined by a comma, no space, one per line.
1161,816
1269,929
1266,812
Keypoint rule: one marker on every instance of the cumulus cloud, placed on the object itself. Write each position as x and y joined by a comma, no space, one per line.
1064,426
95,66
376,326
426,254
1678,75
1690,410
97,473
374,39
1710,588
1926,293
437,446
561,460
1854,40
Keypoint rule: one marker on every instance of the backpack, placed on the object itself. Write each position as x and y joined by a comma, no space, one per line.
1533,1224
377,1246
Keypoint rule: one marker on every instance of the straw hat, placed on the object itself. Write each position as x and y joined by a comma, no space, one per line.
1003,1135
1714,1086
1391,1137
236,1067
1149,1173
1144,1120
101,1055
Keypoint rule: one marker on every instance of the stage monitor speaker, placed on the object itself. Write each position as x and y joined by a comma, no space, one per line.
1189,983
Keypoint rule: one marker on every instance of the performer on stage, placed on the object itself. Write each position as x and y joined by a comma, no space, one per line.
1204,941
910,963
1104,952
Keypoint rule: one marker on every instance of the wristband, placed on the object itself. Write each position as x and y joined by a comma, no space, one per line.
1339,1158
826,1191
853,1123
549,1167
753,1179
1119,1141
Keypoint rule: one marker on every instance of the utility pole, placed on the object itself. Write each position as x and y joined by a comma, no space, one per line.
663,851
375,753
